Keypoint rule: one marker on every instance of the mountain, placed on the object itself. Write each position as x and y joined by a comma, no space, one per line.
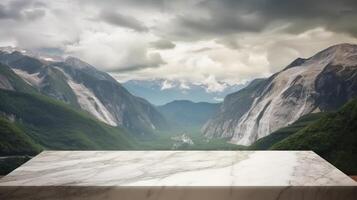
323,82
37,120
31,121
161,91
234,106
333,137
83,86
184,114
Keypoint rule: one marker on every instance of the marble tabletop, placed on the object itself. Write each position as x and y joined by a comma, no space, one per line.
117,172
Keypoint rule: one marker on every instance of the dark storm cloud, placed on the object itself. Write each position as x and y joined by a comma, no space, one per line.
140,4
163,44
118,19
152,60
339,16
234,16
22,10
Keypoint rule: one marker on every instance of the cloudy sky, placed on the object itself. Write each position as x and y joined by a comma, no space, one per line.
211,42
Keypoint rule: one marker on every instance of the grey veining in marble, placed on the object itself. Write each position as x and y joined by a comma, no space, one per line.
177,175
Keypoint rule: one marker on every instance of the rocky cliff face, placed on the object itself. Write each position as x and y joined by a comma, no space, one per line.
321,83
83,86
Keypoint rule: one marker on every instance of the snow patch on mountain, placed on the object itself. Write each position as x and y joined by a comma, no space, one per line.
11,49
32,79
162,91
89,102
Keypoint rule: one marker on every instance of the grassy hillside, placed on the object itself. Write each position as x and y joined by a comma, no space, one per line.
13,141
268,141
55,125
333,137
55,85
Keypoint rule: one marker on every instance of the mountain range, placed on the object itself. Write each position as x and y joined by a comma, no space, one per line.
161,91
55,103
321,83
82,86
185,115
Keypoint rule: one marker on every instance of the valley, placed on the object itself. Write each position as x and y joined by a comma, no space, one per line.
70,105
178,100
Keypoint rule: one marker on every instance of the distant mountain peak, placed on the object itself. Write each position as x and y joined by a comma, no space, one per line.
11,49
39,55
152,90
181,101
76,62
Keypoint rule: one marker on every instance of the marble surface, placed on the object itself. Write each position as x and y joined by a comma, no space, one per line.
177,175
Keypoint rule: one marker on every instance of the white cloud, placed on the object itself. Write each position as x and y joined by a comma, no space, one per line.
140,48
215,64
212,85
167,85
117,50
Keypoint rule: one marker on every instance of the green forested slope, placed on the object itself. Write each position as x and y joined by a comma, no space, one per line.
13,141
55,125
333,137
268,141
